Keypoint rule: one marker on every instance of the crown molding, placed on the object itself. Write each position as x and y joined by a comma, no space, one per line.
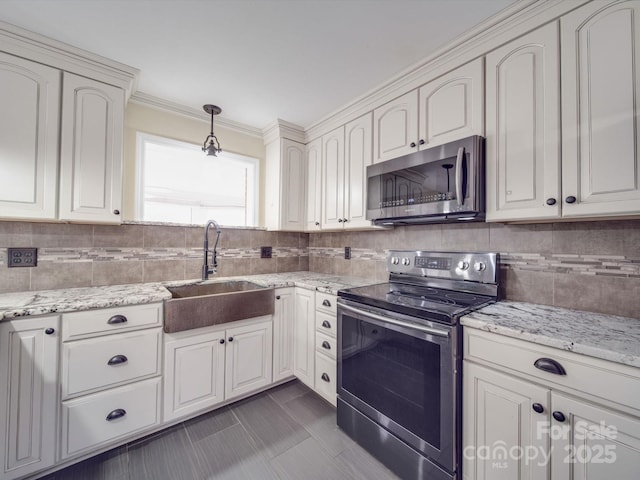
510,23
282,129
33,46
147,100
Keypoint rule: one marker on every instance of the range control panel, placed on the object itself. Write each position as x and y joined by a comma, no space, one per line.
476,267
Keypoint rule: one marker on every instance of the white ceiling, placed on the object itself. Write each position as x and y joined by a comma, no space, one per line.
298,60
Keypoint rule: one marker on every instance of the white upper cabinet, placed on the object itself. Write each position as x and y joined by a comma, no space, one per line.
29,120
358,156
285,186
333,184
396,127
600,101
314,186
452,106
91,151
523,134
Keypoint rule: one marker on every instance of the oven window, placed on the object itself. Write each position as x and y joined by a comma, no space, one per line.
396,374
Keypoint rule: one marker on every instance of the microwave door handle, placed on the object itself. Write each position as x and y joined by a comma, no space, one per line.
459,160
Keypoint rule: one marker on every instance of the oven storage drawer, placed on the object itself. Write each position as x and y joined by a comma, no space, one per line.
326,345
101,362
600,378
96,419
326,377
325,302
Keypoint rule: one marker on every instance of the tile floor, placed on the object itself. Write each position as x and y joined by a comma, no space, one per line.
286,433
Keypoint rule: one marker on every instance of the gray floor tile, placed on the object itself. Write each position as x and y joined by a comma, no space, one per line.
164,457
288,391
308,461
362,466
111,465
272,430
230,455
210,423
319,419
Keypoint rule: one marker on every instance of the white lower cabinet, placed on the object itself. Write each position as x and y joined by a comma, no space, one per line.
326,345
206,366
519,421
304,336
29,395
283,329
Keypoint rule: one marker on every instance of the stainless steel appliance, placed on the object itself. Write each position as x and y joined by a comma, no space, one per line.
399,358
440,184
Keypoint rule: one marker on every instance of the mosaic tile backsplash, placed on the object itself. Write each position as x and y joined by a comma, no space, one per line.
592,266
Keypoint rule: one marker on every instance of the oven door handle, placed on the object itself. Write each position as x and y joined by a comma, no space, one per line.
393,321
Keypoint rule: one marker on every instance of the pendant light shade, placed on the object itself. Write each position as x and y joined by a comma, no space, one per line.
211,145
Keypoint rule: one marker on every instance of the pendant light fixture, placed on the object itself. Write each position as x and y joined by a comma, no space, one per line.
213,148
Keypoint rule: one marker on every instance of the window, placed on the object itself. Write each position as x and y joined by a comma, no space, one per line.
178,183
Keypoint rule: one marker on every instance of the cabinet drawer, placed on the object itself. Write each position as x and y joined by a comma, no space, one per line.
108,361
91,323
326,376
326,323
326,344
600,378
133,408
325,302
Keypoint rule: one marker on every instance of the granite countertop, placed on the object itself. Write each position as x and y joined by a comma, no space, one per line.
22,304
602,336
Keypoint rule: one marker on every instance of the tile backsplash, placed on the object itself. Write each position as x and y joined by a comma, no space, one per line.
591,266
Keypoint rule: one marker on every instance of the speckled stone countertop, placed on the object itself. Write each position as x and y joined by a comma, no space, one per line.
22,304
602,336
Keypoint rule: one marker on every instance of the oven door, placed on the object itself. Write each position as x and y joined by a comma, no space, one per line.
403,375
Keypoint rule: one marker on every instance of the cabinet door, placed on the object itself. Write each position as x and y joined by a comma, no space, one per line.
314,186
304,336
358,155
193,373
333,179
499,418
523,115
29,395
293,195
91,151
395,127
452,106
29,112
249,358
600,102
593,442
283,318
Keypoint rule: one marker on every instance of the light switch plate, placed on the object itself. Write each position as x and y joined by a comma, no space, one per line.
22,257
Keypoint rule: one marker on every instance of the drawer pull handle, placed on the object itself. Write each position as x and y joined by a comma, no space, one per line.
537,407
115,414
326,345
325,377
116,319
117,360
326,303
326,324
549,365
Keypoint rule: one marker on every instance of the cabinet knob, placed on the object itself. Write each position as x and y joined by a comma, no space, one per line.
326,303
412,144
277,297
421,142
116,212
549,365
537,407
570,199
551,201
117,413
559,416
50,331
339,220
345,220
117,360
326,345
317,224
117,319
326,324
231,339
325,377
221,341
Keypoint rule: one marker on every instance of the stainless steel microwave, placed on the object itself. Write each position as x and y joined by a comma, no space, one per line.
436,185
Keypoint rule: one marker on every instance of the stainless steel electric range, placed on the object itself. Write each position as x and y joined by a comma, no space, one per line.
400,358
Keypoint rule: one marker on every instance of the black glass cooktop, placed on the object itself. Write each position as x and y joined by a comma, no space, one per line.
418,301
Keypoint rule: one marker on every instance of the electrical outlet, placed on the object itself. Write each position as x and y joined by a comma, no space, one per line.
22,257
347,253
265,252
